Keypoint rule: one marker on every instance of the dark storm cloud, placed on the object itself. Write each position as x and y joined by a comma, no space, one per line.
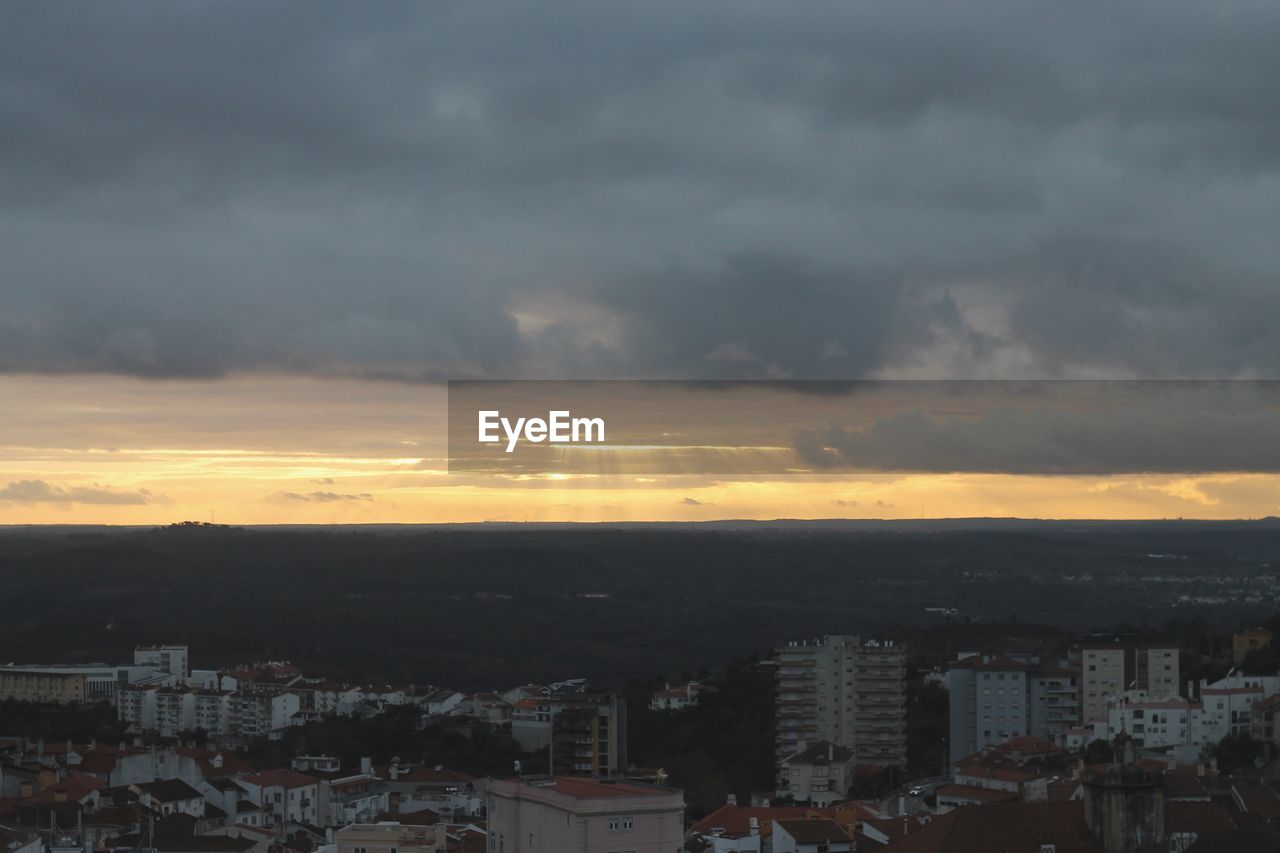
1069,428
740,189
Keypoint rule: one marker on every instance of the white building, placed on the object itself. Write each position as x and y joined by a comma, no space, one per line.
819,775
676,697
842,690
171,659
284,795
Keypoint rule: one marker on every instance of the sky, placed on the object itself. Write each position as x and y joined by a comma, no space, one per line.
242,245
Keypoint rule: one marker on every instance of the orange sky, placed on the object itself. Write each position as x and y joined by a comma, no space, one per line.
100,449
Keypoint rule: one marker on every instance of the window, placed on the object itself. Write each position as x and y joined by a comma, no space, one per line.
614,823
628,823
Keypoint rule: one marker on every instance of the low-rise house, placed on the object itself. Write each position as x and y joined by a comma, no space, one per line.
577,814
819,774
811,835
676,697
284,795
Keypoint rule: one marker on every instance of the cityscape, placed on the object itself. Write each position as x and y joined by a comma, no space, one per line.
1116,743
712,426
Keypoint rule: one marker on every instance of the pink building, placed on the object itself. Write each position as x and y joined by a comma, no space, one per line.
575,814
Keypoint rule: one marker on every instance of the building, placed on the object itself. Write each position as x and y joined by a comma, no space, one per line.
588,734
1107,670
1225,707
1249,641
171,659
811,835
676,697
580,814
989,702
285,796
390,837
837,688
880,704
997,698
1054,702
819,775
33,684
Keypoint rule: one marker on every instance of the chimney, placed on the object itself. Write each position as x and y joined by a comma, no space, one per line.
366,764
731,800
1172,763
831,752
755,825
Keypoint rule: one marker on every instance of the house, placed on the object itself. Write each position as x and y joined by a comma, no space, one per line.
581,814
284,795
811,835
819,774
676,697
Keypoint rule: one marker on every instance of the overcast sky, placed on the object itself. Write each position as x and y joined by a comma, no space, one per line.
658,189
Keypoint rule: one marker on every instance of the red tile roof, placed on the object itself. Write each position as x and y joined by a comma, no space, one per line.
1004,827
973,792
77,786
736,820
280,778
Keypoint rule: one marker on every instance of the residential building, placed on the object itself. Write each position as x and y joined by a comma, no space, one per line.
1109,669
810,835
818,775
676,697
284,796
390,837
568,814
837,688
588,734
880,704
989,702
171,659
1248,641
1224,707
33,684
1054,702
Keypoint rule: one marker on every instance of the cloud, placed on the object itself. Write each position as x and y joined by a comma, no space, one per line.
1067,429
40,491
695,502
323,497
418,191
841,502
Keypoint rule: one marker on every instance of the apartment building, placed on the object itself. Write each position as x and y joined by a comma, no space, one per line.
35,684
841,690
568,814
995,698
1107,670
1235,705
284,795
588,734
880,704
174,660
